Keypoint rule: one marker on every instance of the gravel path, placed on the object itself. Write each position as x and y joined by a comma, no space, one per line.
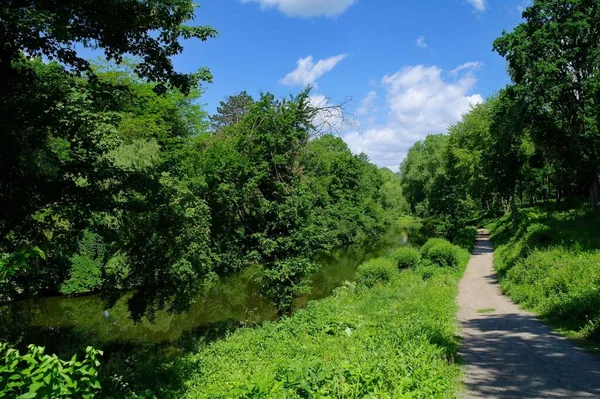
509,353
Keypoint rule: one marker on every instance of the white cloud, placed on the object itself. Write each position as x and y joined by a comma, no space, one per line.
467,66
366,104
306,8
421,43
421,100
480,5
307,72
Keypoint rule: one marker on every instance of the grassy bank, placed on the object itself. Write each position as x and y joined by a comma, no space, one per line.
551,265
394,340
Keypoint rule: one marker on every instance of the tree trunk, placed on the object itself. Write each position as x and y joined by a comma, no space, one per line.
594,194
513,209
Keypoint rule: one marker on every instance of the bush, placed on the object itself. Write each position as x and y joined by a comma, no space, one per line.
405,257
35,375
465,238
538,235
441,253
376,271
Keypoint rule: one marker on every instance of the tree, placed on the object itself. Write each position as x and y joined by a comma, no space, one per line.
553,59
423,162
231,110
507,147
148,30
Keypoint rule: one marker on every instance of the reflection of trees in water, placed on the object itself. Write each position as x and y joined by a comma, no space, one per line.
66,324
341,265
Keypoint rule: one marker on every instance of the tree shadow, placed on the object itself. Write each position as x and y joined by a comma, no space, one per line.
131,366
514,356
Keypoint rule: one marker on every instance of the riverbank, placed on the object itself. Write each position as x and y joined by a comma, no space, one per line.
551,266
392,340
397,338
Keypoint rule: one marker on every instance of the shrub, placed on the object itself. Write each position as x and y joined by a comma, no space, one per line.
376,271
35,375
465,238
405,257
432,242
441,253
538,235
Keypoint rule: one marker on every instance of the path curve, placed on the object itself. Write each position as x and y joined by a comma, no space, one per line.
509,353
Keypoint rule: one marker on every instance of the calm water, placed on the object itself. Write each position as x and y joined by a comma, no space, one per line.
52,322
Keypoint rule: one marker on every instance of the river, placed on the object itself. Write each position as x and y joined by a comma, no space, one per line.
58,322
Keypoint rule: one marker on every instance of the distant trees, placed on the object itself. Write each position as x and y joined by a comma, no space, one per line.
231,111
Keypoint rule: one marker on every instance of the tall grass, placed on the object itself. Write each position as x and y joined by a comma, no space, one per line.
396,339
551,265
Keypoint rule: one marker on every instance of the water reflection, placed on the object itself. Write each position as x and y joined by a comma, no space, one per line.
57,322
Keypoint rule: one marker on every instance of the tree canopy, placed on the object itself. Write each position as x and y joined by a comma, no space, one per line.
151,31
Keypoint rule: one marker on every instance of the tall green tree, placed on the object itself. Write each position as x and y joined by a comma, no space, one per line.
553,59
424,161
232,110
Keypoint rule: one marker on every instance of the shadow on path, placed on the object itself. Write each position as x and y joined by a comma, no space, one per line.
509,353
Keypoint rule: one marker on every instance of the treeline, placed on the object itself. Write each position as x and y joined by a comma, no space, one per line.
108,186
536,140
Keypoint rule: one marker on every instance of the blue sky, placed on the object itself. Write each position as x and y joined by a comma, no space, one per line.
411,67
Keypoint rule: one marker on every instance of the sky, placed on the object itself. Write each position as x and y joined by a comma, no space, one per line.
403,69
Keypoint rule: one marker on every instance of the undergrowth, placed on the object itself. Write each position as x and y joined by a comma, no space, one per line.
394,340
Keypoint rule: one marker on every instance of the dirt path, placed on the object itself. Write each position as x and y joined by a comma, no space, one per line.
509,353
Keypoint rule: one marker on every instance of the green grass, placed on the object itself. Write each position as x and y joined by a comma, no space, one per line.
395,340
406,219
486,310
551,265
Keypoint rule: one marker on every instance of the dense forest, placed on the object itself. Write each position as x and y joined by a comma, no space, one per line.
115,180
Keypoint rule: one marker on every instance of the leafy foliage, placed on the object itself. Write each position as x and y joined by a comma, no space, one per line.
150,31
86,266
375,272
36,375
441,253
465,238
405,257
